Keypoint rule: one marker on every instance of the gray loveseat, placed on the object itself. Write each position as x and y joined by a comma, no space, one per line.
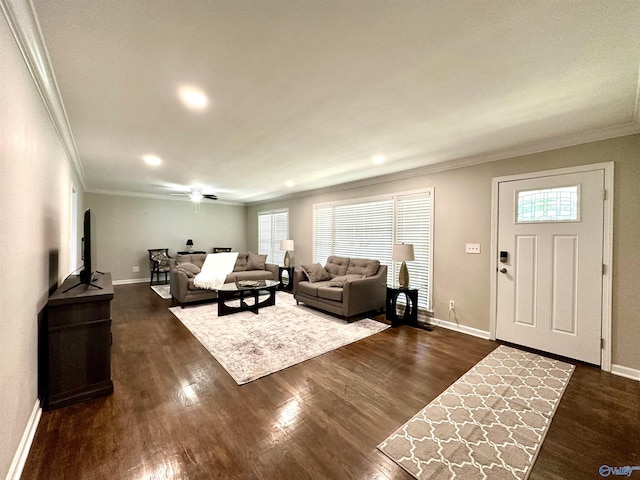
183,268
343,286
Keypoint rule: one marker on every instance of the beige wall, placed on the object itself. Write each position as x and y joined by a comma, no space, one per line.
462,214
35,213
128,226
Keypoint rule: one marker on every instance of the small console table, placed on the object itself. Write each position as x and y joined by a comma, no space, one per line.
286,283
410,315
75,343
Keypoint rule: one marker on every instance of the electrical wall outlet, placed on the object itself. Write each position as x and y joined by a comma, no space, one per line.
452,305
472,248
136,269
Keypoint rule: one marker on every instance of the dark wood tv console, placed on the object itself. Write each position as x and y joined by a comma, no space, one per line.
75,343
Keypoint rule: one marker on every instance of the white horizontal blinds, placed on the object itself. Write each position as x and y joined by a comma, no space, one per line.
369,229
280,232
264,233
364,230
413,225
272,228
323,233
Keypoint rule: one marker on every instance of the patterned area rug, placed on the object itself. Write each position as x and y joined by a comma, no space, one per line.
489,424
162,290
250,346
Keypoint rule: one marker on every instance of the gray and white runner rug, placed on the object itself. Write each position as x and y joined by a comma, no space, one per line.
489,424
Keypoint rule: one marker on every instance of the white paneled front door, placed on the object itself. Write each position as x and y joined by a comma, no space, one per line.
550,257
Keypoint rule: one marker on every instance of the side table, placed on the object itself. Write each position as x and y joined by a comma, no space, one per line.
410,315
286,283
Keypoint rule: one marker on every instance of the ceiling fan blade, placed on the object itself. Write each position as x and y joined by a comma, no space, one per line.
210,197
180,194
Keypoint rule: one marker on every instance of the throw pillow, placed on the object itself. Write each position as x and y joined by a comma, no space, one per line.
189,267
315,272
256,261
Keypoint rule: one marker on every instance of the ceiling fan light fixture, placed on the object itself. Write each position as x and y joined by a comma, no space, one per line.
196,195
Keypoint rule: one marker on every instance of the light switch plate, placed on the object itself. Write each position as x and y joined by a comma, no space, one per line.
473,248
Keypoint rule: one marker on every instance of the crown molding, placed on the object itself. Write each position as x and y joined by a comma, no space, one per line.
26,30
607,133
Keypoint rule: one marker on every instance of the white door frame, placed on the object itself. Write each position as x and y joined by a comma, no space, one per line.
607,248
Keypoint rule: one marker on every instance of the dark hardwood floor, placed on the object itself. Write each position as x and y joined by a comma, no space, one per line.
177,414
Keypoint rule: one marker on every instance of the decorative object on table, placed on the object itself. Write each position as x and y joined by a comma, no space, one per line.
489,424
250,346
189,245
403,252
286,245
159,263
409,315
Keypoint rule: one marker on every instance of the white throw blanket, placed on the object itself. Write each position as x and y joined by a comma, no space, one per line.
215,269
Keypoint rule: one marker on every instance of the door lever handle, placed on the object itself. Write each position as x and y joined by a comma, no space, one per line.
503,270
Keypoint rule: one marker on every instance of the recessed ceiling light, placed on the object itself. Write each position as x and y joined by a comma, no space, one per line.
193,97
289,183
152,160
378,159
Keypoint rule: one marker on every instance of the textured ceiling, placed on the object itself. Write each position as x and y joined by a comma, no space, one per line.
310,90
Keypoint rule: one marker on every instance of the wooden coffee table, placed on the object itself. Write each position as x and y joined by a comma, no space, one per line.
242,290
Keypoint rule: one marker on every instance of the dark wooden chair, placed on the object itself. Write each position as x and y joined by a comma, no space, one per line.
221,249
159,263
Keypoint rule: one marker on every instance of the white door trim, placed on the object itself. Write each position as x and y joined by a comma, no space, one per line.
607,253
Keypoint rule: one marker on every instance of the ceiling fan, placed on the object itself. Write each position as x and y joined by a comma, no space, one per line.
196,195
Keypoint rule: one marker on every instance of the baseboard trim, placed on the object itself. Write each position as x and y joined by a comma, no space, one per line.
131,280
459,328
19,459
626,372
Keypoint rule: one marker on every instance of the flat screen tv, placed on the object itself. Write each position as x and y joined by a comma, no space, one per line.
88,250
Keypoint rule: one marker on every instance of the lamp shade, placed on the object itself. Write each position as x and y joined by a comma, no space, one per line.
286,245
403,252
190,242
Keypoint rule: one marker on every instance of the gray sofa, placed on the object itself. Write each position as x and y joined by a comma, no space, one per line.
343,286
183,269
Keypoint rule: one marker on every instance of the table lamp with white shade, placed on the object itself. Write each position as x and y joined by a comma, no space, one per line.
288,246
403,252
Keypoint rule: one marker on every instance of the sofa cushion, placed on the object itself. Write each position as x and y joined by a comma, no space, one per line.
330,293
196,259
255,261
308,288
315,272
241,262
363,266
337,266
340,281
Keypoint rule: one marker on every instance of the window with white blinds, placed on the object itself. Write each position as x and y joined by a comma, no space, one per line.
369,228
272,228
